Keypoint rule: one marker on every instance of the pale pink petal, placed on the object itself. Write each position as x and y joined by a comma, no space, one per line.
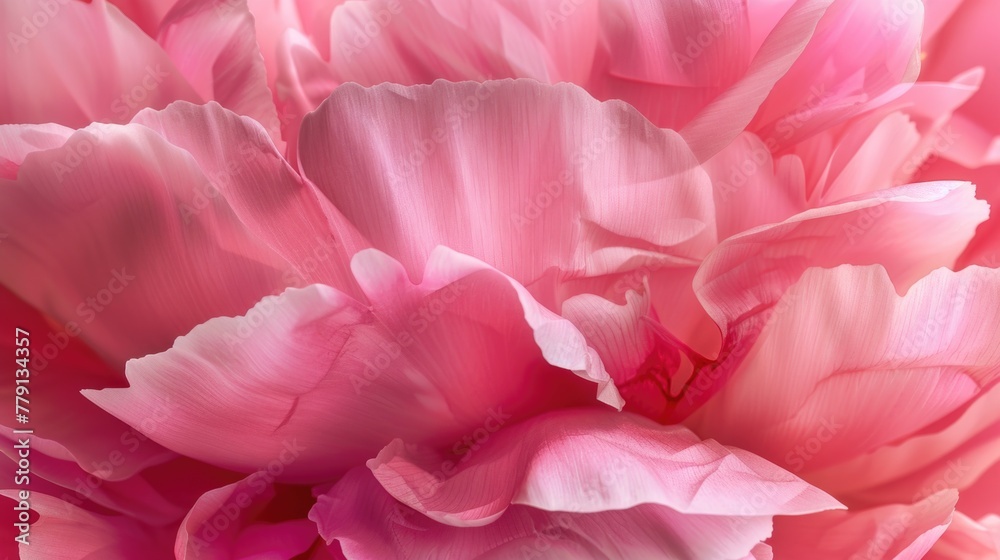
271,19
984,249
763,17
967,538
418,42
66,532
845,160
588,461
425,361
85,215
59,77
304,80
859,365
623,335
367,523
892,532
872,167
19,140
546,170
222,525
761,552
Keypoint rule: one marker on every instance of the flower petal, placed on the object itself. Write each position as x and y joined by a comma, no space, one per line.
359,516
57,77
84,216
427,361
417,167
846,365
66,532
588,461
898,532
214,46
239,504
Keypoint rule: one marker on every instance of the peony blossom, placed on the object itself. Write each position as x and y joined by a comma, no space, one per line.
616,279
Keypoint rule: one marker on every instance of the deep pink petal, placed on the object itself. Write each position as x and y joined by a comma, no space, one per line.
222,525
61,367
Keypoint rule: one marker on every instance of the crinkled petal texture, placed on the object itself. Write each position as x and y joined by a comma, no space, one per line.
583,483
749,272
524,176
336,380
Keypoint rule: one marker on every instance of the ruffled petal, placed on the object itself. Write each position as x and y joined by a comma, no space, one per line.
588,461
331,381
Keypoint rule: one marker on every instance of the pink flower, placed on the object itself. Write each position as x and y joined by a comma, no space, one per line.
585,279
